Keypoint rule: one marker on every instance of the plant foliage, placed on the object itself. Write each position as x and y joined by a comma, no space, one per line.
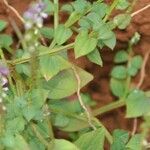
37,79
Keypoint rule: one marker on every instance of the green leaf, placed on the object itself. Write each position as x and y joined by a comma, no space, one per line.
35,144
5,41
16,125
122,20
94,19
95,57
117,87
100,8
93,140
23,69
65,107
67,7
135,65
75,16
136,62
61,120
137,104
84,44
71,106
120,138
65,84
74,125
104,33
81,5
106,36
49,6
132,71
121,57
20,143
47,32
30,112
84,23
52,65
8,140
38,97
119,72
3,25
61,144
122,4
111,42
62,34
13,110
43,129
135,142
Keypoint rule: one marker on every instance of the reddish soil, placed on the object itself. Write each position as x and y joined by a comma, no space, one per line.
99,87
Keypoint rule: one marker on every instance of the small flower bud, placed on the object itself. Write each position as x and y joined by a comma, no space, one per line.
34,15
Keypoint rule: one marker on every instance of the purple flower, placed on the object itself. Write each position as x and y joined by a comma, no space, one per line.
34,15
3,83
4,70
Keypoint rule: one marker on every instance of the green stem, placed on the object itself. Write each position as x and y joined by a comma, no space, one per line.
18,33
113,5
128,80
130,8
109,107
56,13
39,136
107,134
53,43
50,52
51,134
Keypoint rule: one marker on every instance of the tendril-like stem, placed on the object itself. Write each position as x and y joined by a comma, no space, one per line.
9,7
80,99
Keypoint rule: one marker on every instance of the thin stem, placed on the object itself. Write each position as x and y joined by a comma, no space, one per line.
82,118
107,134
135,125
56,13
9,7
109,107
143,69
18,33
140,10
39,136
128,80
53,43
142,76
51,134
80,99
130,8
113,5
49,52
